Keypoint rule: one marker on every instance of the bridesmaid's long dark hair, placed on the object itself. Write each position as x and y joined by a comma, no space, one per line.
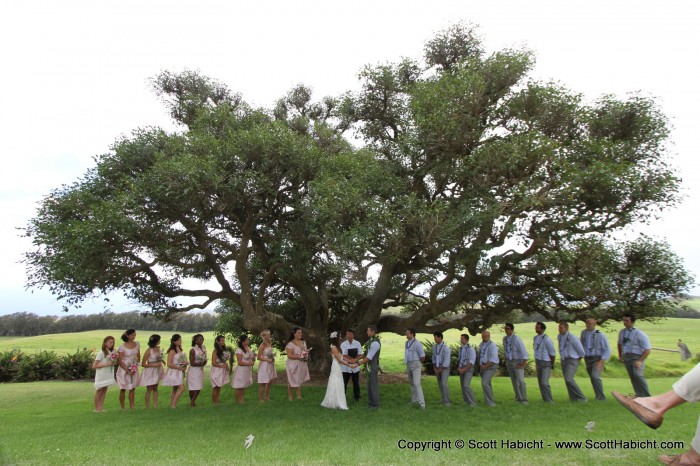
242,339
173,346
220,348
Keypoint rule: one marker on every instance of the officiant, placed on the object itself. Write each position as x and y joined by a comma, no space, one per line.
351,350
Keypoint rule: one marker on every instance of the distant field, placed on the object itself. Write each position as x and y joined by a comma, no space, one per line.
664,334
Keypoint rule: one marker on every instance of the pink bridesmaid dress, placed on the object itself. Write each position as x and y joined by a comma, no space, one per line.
297,371
266,370
174,377
195,374
219,376
243,375
152,375
128,380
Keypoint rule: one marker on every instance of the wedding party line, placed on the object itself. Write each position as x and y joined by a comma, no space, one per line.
175,366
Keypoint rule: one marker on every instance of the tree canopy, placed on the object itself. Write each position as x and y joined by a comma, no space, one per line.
455,188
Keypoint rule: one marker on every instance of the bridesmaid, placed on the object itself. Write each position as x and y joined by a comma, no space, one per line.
266,368
243,375
195,376
220,369
152,364
128,372
104,373
297,369
177,365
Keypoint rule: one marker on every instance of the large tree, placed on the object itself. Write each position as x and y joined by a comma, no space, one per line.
456,189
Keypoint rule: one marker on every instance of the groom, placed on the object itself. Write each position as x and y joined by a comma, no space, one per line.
373,358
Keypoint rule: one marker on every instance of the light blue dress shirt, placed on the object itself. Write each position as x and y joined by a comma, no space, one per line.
544,348
570,347
595,343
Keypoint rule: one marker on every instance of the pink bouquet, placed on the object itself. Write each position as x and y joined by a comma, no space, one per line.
305,355
134,367
113,357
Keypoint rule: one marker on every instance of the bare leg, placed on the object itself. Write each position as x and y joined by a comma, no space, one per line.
215,393
155,396
147,397
175,395
132,395
267,391
299,393
193,397
261,392
661,403
289,392
122,398
240,394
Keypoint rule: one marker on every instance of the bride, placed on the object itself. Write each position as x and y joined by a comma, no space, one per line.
335,392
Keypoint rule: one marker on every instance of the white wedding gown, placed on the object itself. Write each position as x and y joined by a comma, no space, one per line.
335,392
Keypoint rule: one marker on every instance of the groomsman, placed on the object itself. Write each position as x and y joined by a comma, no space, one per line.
351,350
570,352
595,344
441,364
544,360
414,357
488,363
372,358
516,360
633,347
466,360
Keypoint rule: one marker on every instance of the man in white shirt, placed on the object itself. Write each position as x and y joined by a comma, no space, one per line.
413,358
488,364
351,350
466,360
441,365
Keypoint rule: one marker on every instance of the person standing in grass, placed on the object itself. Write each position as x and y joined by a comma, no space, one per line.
516,360
352,352
570,354
374,347
488,363
441,364
266,368
465,364
195,376
128,372
544,360
414,356
220,368
335,390
633,347
243,374
152,364
177,365
104,372
296,364
597,350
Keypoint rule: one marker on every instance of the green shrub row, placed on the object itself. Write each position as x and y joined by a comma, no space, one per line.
16,366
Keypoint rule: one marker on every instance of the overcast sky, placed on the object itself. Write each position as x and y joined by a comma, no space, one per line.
74,78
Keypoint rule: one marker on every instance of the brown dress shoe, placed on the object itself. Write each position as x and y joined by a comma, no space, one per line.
647,416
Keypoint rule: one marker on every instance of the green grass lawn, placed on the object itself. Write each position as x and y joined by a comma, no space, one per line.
53,423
